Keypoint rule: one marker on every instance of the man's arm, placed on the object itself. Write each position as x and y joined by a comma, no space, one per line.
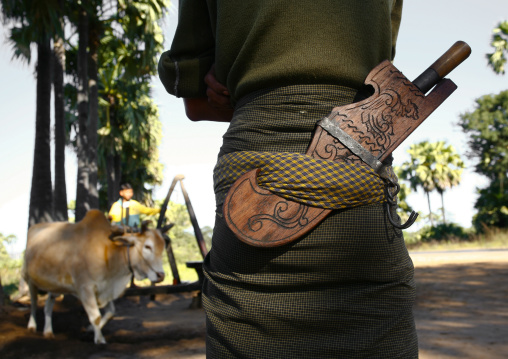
136,206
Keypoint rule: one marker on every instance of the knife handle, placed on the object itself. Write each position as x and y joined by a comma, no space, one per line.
443,66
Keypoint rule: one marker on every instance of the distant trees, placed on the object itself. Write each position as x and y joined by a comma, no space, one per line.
403,207
433,166
106,63
9,268
487,128
129,126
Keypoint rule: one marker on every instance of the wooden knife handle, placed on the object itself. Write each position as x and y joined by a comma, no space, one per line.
443,66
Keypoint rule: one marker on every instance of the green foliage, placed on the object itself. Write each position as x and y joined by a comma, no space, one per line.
441,232
10,269
403,208
130,41
499,42
456,238
492,208
129,127
487,128
29,22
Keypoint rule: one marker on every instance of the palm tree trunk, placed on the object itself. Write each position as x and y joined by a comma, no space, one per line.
60,191
442,206
41,193
93,194
2,295
114,169
114,160
82,204
430,210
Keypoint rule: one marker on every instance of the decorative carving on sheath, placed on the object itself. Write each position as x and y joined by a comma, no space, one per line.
378,131
281,209
332,149
375,129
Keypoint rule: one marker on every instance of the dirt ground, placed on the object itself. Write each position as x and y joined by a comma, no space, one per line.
461,312
462,304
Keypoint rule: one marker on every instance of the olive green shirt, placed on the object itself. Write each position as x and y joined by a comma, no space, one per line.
259,44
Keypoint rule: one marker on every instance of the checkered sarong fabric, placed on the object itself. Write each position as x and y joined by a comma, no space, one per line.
343,290
303,179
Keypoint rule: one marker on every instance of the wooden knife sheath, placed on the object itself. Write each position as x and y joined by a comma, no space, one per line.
377,124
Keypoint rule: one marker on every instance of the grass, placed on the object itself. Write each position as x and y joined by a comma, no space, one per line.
10,273
492,238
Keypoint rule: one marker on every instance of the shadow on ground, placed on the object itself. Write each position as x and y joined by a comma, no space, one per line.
164,328
462,311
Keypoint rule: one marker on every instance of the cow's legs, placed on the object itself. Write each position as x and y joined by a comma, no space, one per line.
87,297
109,312
48,311
32,325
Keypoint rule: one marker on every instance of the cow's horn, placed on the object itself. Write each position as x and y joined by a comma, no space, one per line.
116,231
167,227
144,226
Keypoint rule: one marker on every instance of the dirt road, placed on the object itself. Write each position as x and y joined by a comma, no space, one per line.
461,312
462,308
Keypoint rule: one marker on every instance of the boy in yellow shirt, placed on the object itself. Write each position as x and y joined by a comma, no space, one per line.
126,210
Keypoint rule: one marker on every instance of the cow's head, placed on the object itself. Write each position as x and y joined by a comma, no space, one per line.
144,249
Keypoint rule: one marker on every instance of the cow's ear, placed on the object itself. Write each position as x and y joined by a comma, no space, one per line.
123,241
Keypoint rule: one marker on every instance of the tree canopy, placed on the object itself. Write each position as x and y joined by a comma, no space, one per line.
487,129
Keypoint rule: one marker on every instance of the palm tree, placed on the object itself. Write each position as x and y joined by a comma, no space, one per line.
449,168
82,205
403,208
433,166
32,21
94,39
60,191
418,171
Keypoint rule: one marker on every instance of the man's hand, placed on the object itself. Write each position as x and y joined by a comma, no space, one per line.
215,107
218,94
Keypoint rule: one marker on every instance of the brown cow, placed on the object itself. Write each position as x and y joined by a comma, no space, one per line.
92,260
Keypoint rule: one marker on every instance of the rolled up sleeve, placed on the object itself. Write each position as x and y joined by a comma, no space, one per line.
182,69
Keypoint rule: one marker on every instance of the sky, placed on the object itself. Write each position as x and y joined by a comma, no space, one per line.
428,29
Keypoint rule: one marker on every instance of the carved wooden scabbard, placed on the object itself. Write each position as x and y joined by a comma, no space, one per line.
367,131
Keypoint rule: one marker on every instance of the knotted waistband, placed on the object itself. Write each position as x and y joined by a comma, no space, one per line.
271,130
302,179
